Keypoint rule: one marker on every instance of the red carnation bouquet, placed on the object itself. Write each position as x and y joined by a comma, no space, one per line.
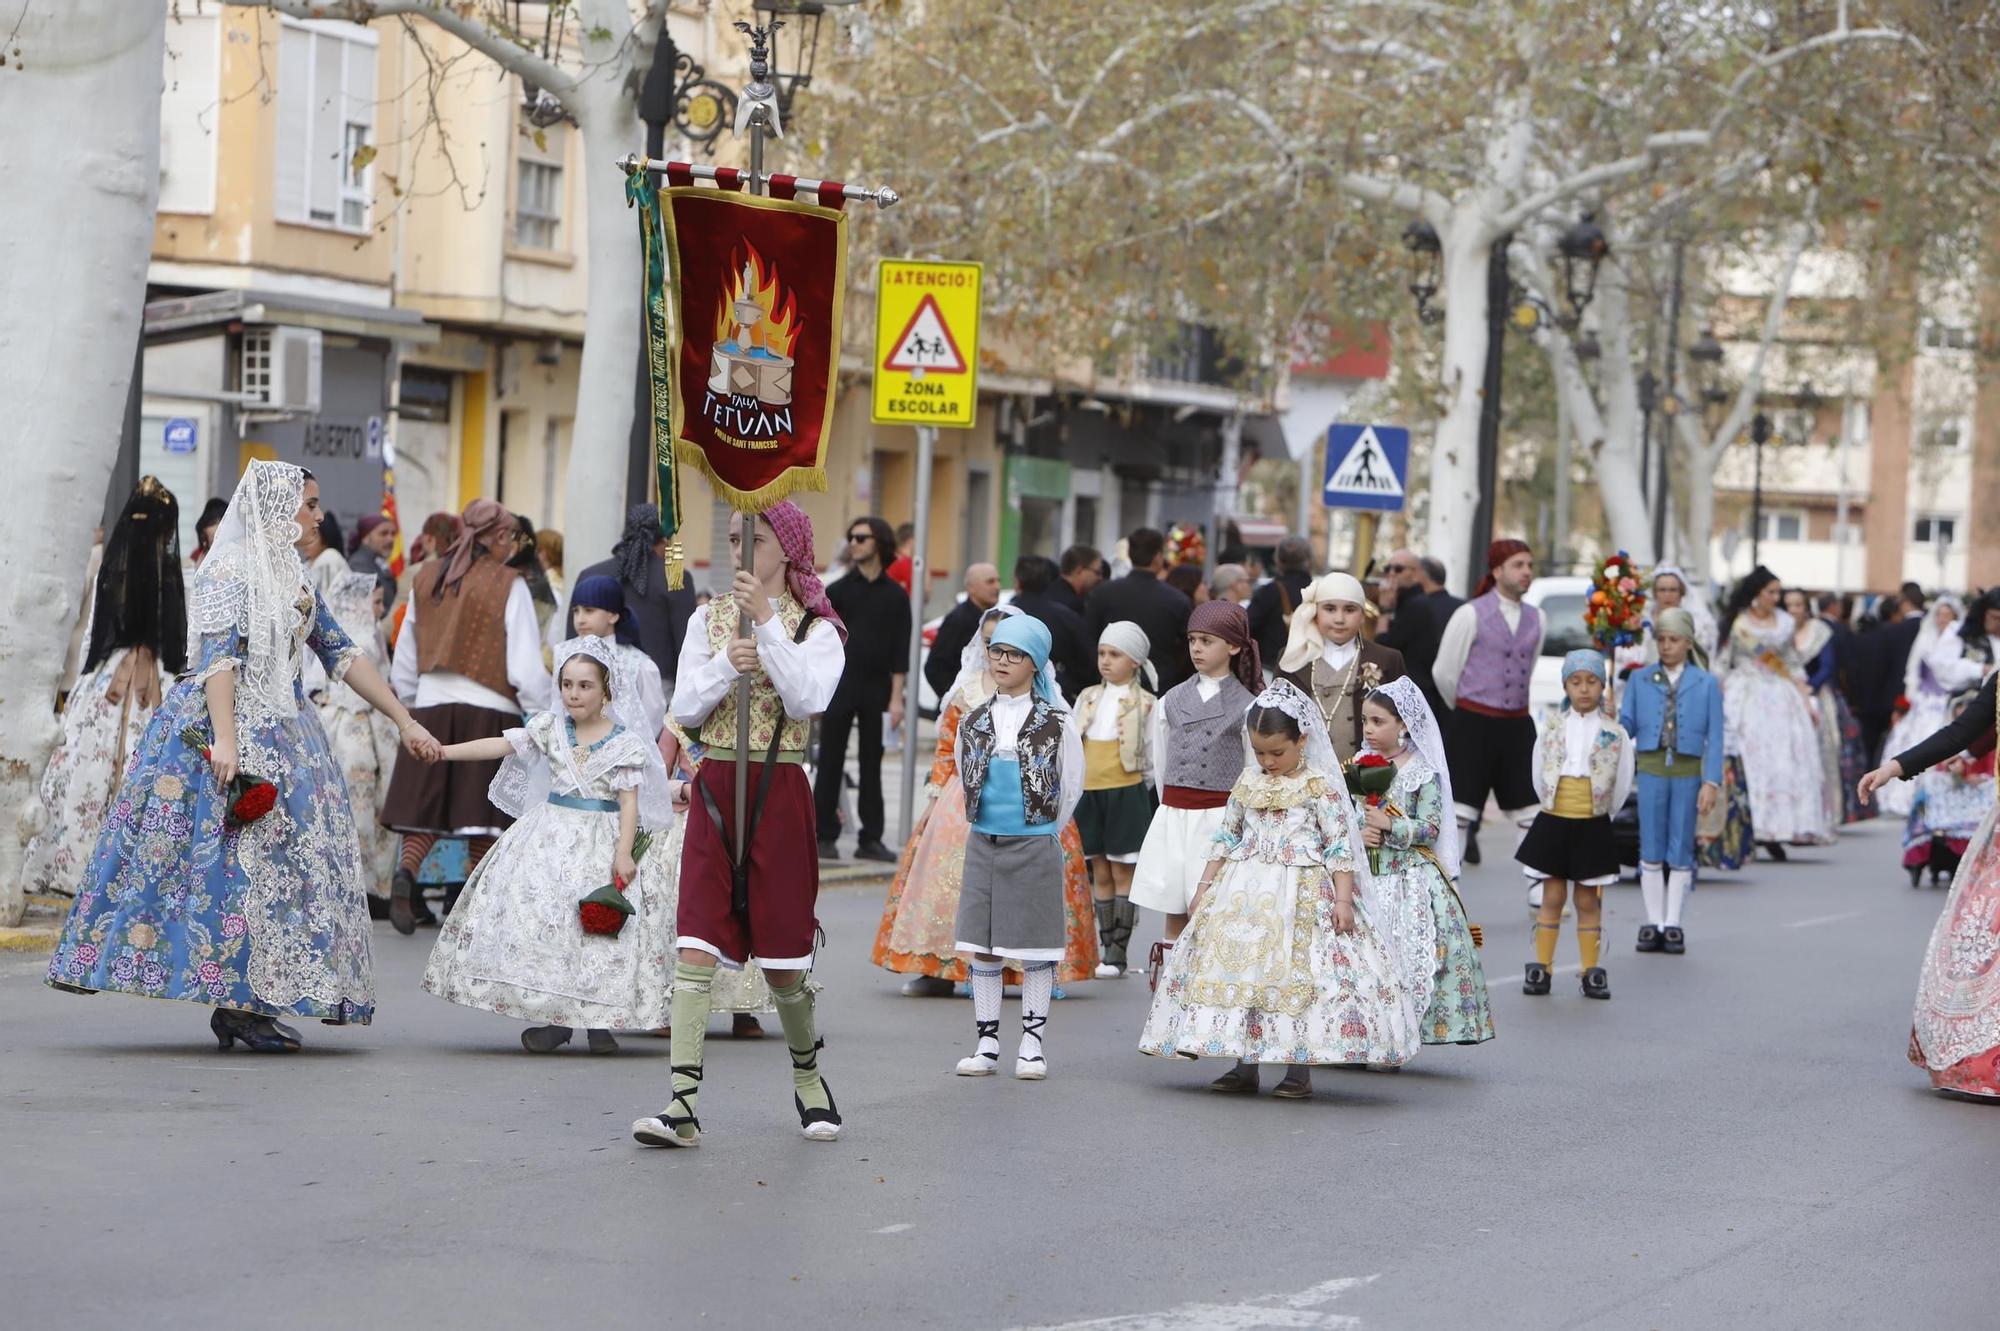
1185,545
250,797
605,911
1369,777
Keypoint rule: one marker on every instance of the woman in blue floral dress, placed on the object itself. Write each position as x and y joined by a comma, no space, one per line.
256,919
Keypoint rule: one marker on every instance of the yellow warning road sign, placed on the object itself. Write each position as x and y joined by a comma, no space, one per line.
926,343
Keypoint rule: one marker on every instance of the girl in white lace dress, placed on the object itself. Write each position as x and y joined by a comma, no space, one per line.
583,785
1769,718
1280,961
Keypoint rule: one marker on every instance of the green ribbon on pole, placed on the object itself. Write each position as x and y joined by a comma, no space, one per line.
639,191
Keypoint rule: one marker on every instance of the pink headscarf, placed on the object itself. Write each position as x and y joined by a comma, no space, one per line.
1226,620
794,531
486,521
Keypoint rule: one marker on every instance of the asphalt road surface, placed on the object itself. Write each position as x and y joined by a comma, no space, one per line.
1734,1140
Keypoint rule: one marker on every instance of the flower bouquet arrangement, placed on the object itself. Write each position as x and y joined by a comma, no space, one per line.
605,911
250,797
1615,613
1369,777
1185,545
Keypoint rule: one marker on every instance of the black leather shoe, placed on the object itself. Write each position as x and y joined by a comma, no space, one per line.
1776,852
876,851
1241,1080
259,1034
829,852
926,986
1673,940
1596,984
1649,939
402,910
1536,980
545,1039
1471,855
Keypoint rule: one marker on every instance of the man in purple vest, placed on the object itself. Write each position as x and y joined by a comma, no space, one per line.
1484,663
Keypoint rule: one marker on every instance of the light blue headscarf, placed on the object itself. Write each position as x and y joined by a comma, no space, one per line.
1025,633
1585,659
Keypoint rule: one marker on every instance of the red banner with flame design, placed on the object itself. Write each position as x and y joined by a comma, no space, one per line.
759,288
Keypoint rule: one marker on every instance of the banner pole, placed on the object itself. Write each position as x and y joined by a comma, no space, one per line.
747,550
919,585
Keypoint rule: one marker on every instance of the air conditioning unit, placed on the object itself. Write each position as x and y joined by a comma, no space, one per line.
281,368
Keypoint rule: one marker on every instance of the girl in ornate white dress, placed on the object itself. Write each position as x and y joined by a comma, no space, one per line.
1281,961
1928,696
135,644
362,739
1415,841
583,785
1769,718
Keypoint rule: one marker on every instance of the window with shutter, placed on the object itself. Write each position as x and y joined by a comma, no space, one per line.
326,117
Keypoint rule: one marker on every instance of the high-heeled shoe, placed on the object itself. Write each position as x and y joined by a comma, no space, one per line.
545,1039
259,1034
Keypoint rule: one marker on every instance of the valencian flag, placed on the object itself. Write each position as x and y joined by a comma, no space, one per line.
746,393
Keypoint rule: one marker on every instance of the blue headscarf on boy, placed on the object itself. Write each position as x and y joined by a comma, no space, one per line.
602,592
1030,637
1586,660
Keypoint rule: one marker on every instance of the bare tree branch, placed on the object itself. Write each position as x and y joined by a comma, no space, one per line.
479,35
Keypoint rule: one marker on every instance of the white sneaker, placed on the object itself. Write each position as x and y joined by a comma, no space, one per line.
1031,1069
978,1065
1107,971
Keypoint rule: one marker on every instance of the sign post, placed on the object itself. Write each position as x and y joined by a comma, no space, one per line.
926,375
1367,468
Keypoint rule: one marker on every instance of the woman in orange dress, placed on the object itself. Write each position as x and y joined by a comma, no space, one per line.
916,936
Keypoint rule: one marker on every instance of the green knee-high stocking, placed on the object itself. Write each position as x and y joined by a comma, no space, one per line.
795,1011
691,1001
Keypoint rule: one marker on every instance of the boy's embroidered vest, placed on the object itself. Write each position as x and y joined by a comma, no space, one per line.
767,709
1502,661
1135,715
1603,765
1204,739
1039,750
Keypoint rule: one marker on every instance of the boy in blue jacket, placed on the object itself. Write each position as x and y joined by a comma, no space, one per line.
1673,711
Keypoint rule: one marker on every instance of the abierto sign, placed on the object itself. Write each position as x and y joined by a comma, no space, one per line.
926,343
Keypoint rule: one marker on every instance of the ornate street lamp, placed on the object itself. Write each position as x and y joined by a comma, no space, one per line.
792,70
541,107
1582,249
1420,238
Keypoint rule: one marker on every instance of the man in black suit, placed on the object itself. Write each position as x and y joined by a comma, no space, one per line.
1272,604
1141,597
1082,569
982,593
1075,651
1423,607
1876,681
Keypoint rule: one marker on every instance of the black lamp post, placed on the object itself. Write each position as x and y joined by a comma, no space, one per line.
1582,249
1760,434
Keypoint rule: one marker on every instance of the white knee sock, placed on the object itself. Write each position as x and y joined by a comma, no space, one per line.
1678,883
1653,887
986,986
1037,986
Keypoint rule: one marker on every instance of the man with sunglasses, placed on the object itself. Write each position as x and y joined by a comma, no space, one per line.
1422,608
877,614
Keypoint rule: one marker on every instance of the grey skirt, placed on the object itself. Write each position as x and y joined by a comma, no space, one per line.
1011,904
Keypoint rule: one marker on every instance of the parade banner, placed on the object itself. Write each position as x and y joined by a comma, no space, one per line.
659,379
758,294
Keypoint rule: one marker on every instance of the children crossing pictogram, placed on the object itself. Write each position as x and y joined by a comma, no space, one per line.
926,344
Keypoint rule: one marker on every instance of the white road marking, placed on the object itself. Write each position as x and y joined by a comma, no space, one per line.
894,1229
1825,919
1262,1313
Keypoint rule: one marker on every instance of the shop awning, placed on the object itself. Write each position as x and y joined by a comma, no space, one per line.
181,316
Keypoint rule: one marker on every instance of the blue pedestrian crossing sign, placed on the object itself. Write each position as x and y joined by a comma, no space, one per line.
1366,467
